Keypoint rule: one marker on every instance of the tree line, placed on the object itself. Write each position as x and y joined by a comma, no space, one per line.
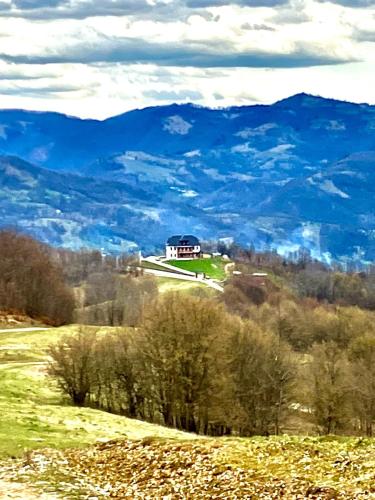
60,286
31,281
307,277
192,365
88,287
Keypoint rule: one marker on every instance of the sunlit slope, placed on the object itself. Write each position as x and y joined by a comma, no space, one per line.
33,413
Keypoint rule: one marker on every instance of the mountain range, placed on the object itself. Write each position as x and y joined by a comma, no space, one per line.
297,173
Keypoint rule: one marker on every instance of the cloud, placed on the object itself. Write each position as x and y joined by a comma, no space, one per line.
215,52
211,54
351,3
14,72
364,35
156,9
173,96
37,4
294,12
244,3
42,91
165,10
81,9
14,76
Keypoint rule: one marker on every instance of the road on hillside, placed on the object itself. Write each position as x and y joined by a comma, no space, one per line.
33,329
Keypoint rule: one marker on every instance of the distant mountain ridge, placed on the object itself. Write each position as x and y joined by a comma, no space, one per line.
296,173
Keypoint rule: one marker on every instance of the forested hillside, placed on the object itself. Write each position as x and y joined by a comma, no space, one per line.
295,174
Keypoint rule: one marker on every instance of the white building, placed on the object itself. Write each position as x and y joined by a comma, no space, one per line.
183,246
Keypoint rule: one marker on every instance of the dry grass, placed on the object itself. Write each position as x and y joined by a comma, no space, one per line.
257,468
149,461
34,414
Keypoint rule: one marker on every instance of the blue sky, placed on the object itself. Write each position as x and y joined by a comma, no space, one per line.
96,58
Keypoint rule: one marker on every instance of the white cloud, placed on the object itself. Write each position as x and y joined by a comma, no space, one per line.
193,154
141,54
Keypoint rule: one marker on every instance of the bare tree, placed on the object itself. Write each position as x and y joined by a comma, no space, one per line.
74,364
31,282
263,372
330,387
183,346
362,356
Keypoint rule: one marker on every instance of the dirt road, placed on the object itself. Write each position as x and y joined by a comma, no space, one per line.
30,329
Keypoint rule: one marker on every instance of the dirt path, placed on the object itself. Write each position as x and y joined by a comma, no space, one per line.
33,329
21,491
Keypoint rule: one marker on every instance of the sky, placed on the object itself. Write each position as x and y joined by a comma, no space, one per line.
99,58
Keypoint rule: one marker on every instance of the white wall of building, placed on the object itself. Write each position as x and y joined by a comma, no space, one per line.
171,252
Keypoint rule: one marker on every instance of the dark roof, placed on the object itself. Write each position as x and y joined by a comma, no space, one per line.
181,240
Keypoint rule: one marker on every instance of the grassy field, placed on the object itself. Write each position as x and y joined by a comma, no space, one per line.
33,413
73,457
213,268
174,285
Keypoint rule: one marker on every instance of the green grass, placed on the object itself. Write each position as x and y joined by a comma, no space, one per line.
213,267
33,412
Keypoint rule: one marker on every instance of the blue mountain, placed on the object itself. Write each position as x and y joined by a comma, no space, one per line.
296,173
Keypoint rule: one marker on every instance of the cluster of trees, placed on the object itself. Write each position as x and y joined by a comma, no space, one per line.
78,266
116,299
335,345
189,365
307,277
31,281
342,386
192,365
61,286
337,287
109,290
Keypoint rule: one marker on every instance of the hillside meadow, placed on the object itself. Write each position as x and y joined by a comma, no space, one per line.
34,410
213,267
85,453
